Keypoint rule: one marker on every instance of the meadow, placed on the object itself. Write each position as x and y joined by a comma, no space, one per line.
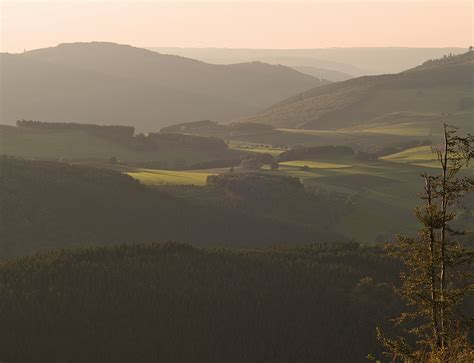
389,184
391,128
376,186
303,137
76,145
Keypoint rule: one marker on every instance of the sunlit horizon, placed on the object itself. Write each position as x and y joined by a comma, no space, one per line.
242,24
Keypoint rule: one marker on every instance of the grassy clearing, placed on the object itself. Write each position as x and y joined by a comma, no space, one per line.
416,153
384,200
355,138
422,125
401,129
170,177
385,195
419,156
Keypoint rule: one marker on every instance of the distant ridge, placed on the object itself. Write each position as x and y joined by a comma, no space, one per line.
108,83
321,73
356,61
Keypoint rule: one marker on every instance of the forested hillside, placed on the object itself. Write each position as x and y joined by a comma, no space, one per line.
47,205
236,195
176,303
107,83
437,90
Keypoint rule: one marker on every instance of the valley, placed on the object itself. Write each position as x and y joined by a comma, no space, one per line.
159,208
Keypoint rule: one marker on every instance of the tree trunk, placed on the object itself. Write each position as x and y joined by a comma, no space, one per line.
432,270
444,206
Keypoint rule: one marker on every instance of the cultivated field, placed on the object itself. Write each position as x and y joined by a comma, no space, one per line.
389,184
422,155
374,186
162,177
79,146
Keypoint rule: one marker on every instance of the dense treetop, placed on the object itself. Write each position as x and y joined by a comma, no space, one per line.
173,302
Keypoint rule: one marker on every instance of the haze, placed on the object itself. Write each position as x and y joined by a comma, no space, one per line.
243,24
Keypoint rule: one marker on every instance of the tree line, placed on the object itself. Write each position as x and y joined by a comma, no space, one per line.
120,134
125,135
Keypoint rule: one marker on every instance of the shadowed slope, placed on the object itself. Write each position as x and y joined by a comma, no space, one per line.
118,84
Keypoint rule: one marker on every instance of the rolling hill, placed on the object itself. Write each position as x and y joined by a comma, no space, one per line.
436,90
108,83
356,61
47,205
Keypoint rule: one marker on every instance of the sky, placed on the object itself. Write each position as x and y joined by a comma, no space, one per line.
283,24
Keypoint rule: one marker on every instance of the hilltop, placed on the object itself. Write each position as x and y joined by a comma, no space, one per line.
108,83
437,89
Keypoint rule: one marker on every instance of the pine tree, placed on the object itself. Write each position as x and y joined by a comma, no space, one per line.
436,278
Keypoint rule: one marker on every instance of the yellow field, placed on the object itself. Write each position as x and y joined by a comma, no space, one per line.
160,177
313,132
421,155
401,129
254,148
313,164
261,151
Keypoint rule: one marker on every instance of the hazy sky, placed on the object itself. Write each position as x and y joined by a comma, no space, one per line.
237,24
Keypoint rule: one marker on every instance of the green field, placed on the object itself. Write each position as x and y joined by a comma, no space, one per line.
389,184
275,139
384,192
76,146
56,144
423,125
384,195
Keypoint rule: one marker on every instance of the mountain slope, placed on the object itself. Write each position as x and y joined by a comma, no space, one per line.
110,83
41,90
439,87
